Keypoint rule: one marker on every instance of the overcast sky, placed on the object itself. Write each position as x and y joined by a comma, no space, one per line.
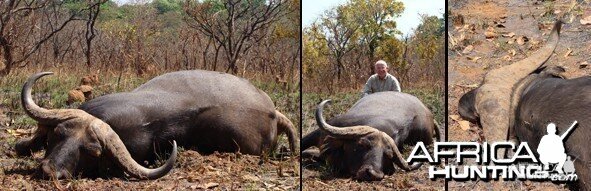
312,9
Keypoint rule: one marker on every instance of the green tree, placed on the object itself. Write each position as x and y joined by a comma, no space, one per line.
429,37
164,6
375,20
428,47
339,35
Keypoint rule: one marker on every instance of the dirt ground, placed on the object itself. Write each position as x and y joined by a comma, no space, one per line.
472,54
192,171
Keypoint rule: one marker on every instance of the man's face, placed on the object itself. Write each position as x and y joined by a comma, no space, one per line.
381,70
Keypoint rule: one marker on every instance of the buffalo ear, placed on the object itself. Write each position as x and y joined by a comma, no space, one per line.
389,153
332,151
333,142
388,150
554,71
331,146
466,106
365,142
94,149
36,142
92,144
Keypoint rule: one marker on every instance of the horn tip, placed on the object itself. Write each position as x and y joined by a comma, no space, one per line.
174,147
44,73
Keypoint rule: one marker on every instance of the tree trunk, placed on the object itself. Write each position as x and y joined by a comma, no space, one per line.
8,61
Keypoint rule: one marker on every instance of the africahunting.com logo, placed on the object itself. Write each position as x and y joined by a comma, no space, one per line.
553,164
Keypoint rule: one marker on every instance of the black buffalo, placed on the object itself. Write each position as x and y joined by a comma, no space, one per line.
365,143
201,110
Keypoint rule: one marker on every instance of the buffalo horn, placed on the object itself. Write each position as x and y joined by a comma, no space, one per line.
113,144
344,132
397,156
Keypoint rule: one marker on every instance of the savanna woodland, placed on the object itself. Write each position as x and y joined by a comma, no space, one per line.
339,52
116,47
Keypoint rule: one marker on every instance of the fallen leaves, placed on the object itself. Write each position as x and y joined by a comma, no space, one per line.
583,64
512,52
209,185
568,52
490,33
468,49
18,132
251,178
464,125
509,35
586,20
474,58
521,40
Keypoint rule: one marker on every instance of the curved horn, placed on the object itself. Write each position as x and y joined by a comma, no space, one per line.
43,116
494,96
397,156
39,114
111,141
344,132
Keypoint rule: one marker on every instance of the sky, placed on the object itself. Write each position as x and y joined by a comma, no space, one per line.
312,9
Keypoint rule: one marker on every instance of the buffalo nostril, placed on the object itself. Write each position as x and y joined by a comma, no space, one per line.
369,174
50,171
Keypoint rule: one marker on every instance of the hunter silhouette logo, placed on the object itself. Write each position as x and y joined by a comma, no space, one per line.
551,150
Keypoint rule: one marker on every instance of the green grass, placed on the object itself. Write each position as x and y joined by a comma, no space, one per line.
286,102
52,92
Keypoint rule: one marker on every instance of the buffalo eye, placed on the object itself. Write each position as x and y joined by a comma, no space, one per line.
61,131
93,149
364,142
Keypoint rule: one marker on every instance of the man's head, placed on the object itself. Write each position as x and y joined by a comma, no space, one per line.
381,68
551,129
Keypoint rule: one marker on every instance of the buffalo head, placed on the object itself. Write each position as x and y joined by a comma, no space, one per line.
364,152
76,140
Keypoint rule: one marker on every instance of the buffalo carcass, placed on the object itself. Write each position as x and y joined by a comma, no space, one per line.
365,143
540,96
548,97
201,110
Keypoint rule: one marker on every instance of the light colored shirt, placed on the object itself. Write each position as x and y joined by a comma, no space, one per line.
375,84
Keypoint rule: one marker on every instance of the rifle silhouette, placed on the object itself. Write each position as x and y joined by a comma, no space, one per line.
568,130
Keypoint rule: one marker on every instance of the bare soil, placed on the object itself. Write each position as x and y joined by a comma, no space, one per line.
532,19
